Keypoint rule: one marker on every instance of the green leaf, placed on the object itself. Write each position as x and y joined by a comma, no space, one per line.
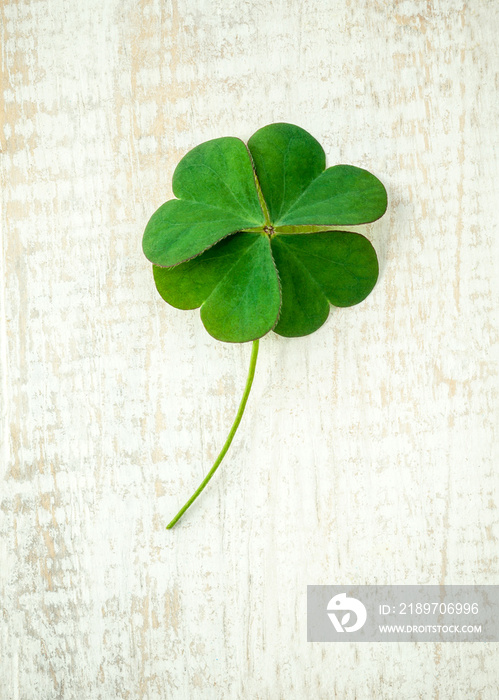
245,304
341,196
219,173
304,305
215,184
343,264
236,283
286,159
187,285
179,230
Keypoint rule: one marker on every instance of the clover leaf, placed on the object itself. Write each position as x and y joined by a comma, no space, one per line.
252,238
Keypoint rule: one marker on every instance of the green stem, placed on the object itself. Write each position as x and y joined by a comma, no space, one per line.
235,425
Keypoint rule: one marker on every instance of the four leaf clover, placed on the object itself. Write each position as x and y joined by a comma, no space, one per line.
250,237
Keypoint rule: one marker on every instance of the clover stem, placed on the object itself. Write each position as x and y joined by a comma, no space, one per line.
235,425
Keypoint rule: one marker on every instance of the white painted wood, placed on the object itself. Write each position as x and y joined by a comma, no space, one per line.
368,450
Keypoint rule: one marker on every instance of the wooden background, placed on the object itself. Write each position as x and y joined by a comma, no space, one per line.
368,450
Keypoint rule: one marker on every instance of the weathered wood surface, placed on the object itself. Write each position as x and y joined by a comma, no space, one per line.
367,453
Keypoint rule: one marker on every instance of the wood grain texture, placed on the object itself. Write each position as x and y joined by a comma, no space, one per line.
368,453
